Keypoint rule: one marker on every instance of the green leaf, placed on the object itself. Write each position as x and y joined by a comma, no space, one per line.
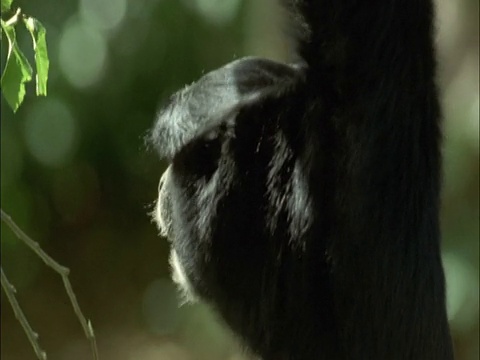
38,33
6,5
17,70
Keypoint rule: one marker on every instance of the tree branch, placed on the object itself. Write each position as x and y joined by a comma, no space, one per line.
62,271
22,319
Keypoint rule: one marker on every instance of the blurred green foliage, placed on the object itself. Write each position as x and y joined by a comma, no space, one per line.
78,178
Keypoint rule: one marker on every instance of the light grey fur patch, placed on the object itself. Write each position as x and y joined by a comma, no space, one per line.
212,190
180,278
293,196
164,217
163,213
277,193
299,204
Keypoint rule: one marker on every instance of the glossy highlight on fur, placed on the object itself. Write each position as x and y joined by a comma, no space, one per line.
302,200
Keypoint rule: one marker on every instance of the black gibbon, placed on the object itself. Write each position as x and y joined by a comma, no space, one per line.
302,200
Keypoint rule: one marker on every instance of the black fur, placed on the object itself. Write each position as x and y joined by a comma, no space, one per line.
302,200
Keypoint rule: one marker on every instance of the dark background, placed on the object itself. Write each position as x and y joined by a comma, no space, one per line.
77,177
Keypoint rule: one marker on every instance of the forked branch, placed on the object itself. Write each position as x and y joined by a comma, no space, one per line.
63,272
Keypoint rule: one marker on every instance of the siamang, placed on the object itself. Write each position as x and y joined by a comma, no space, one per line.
302,199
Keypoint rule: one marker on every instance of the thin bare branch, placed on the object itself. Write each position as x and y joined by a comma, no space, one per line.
22,319
63,272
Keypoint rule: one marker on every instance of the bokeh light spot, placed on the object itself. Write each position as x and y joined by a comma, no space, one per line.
50,131
462,291
82,54
473,125
103,14
160,307
218,11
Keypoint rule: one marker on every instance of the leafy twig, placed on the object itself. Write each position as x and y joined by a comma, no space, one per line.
14,19
22,319
62,271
